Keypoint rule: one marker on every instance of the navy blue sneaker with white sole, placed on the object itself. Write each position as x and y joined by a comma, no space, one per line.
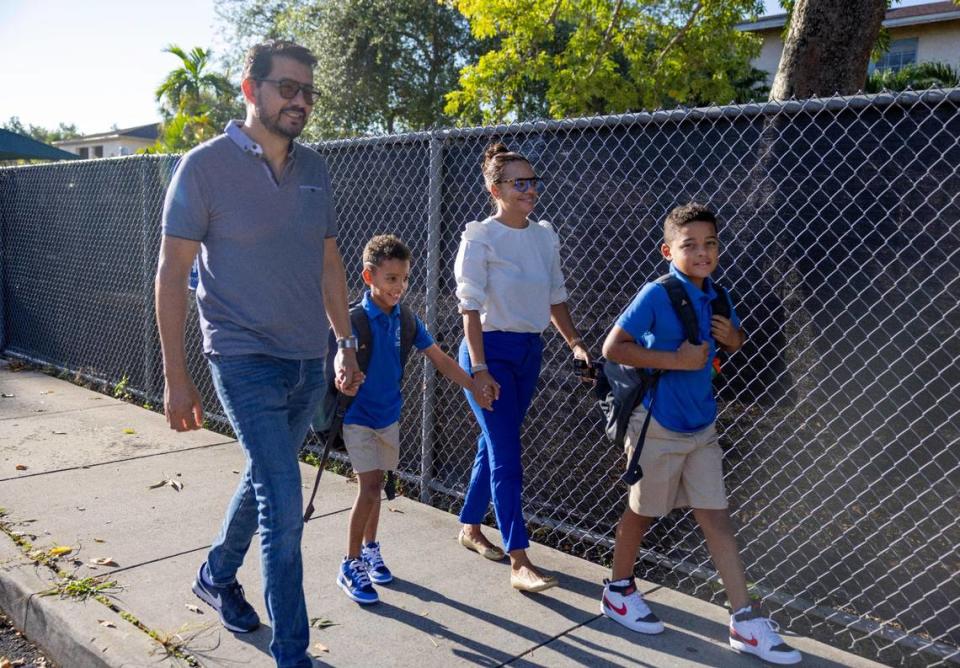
376,569
355,582
236,614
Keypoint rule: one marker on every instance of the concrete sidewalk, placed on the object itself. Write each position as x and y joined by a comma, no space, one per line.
90,462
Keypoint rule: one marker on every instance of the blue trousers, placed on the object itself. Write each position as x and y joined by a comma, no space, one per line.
514,360
270,402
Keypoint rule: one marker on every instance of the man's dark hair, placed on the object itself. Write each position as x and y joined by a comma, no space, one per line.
685,214
384,247
259,59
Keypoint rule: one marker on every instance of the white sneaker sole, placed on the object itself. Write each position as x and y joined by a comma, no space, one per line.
772,657
650,629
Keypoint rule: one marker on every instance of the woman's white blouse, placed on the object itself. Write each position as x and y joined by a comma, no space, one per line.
511,276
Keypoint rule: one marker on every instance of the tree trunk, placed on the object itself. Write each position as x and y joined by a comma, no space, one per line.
828,48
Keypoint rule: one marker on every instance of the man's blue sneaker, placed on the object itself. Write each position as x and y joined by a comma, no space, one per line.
376,569
355,582
236,614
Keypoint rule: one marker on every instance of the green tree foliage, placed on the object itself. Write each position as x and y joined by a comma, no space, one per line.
916,77
195,102
383,65
63,131
564,58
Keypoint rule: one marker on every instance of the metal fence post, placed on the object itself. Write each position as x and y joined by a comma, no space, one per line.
433,294
150,357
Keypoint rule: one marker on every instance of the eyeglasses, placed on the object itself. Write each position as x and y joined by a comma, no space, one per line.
523,185
288,89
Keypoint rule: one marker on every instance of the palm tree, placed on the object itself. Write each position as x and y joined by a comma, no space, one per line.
190,88
916,77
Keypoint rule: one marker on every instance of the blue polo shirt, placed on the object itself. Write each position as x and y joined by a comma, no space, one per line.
685,401
379,400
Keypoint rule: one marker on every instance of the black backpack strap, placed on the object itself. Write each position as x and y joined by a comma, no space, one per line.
721,303
408,332
361,325
682,306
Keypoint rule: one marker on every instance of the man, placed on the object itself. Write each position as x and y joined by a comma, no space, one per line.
258,208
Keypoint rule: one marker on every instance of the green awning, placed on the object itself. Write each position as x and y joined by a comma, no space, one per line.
20,147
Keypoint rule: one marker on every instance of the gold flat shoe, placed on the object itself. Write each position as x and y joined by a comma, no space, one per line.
532,584
491,553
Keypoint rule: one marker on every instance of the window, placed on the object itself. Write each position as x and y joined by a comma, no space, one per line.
902,52
97,151
83,152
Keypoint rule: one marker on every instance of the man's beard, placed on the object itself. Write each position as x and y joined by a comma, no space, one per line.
275,124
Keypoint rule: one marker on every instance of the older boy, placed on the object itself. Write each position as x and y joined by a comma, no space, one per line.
681,458
371,430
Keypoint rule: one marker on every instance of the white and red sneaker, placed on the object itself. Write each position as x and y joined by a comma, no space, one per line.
752,634
623,604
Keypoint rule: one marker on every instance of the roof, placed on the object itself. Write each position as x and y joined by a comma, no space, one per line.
930,12
15,146
150,132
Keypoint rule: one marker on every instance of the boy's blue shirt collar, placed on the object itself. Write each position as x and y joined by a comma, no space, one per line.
695,293
374,311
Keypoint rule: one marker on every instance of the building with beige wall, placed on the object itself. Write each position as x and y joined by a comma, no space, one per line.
919,34
113,143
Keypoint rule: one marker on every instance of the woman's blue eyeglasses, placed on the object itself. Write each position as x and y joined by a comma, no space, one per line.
523,185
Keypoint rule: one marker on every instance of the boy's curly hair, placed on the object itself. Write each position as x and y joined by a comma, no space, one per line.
685,214
384,247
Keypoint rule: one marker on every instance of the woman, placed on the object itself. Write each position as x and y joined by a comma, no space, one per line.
510,287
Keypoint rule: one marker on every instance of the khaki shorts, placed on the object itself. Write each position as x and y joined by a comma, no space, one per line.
679,470
372,449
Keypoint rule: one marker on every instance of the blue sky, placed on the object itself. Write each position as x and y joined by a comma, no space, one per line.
97,63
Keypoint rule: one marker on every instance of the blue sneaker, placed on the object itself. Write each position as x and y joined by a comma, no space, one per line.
236,614
355,582
376,569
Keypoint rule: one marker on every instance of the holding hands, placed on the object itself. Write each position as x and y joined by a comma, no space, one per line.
484,389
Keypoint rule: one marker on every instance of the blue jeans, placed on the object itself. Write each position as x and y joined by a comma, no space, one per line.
514,360
270,402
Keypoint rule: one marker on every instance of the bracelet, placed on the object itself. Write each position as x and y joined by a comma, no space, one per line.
576,342
347,342
477,368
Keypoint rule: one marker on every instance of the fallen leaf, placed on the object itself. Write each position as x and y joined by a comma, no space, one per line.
236,471
21,467
7,396
193,608
158,484
320,647
5,663
104,561
128,430
321,623
99,540
107,623
60,550
81,508
47,392
59,433
176,484
434,642
394,510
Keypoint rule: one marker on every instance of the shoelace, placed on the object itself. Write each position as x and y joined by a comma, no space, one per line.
358,573
372,555
764,625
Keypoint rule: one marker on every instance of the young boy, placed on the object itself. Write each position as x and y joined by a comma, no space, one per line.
371,430
681,458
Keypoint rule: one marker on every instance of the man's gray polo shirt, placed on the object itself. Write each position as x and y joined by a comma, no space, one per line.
262,240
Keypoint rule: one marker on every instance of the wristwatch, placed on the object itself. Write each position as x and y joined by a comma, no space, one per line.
347,342
477,368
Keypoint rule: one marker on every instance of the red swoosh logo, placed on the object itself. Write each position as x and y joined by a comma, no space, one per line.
622,610
737,636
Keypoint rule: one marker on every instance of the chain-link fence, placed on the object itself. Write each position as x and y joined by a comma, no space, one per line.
841,230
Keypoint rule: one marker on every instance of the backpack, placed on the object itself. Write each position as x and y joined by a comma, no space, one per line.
621,388
360,323
328,420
